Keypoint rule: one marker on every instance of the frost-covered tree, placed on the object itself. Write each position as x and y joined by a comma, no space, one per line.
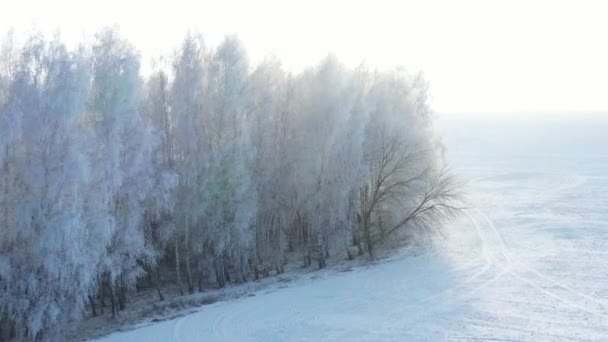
120,161
406,182
191,150
325,103
159,204
8,60
206,170
230,203
47,260
269,127
8,127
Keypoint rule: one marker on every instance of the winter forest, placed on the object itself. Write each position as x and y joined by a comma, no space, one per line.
203,172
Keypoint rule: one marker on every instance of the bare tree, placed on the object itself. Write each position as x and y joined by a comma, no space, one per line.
402,189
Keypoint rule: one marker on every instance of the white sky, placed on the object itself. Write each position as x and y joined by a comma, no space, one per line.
478,55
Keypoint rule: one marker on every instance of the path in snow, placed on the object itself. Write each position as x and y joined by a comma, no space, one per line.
526,263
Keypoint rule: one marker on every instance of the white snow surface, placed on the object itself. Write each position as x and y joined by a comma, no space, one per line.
527,262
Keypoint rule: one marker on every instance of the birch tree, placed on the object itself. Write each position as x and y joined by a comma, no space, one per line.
191,151
48,258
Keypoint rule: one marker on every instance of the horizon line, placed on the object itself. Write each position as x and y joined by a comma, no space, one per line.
580,111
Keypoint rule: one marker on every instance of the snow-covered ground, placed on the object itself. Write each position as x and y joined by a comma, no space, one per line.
527,262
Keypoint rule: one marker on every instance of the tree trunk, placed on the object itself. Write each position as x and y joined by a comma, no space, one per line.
320,250
150,282
92,301
157,284
256,271
119,297
359,244
304,240
265,271
243,269
200,278
308,255
226,272
349,255
177,269
102,303
122,297
187,252
113,302
219,272
368,236
290,241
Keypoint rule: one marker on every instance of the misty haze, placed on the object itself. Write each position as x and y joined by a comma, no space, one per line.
276,171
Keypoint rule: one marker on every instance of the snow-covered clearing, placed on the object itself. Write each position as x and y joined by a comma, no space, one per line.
527,262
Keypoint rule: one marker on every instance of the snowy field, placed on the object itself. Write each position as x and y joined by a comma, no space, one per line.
527,262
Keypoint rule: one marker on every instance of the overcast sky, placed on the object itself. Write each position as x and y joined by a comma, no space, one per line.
478,55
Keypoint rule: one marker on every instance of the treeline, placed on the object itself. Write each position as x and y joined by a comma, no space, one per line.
207,167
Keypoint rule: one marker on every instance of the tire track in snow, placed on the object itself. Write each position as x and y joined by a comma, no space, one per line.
246,320
450,295
494,238
540,274
535,284
488,261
